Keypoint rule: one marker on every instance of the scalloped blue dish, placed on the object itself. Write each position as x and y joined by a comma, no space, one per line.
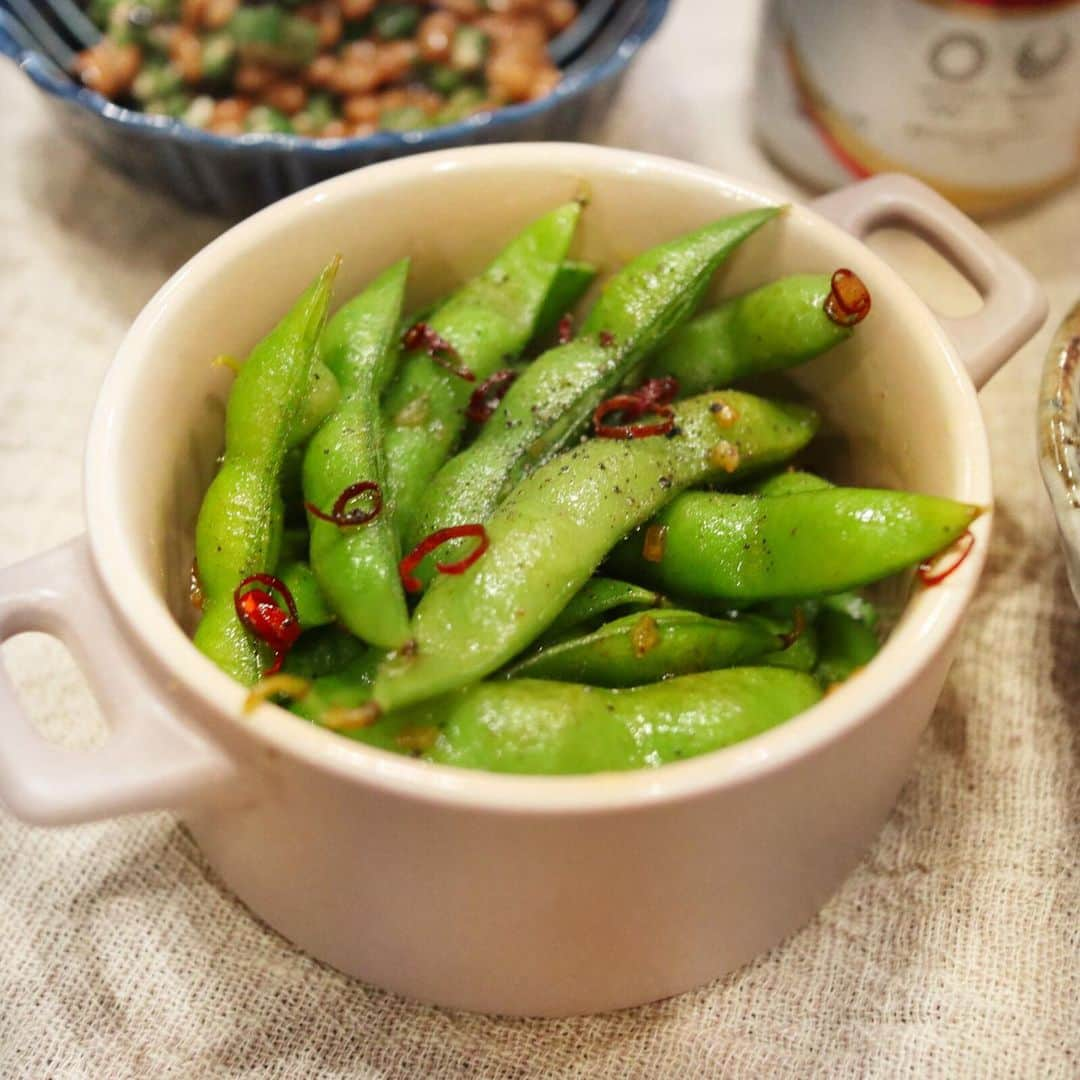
238,175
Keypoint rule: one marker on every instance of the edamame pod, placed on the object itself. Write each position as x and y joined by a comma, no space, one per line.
599,596
554,398
855,606
238,532
801,655
356,565
322,398
749,548
625,303
777,326
570,285
786,482
535,727
311,607
645,648
487,323
845,645
328,651
555,528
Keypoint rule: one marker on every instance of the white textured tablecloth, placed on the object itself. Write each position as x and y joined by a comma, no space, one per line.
953,950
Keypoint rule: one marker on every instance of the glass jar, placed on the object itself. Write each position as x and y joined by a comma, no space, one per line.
978,98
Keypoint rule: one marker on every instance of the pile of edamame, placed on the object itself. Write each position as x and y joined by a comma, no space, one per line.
492,535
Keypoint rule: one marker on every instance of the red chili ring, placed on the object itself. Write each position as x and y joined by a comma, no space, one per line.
566,329
633,407
848,302
461,372
963,548
343,520
487,396
264,617
421,335
436,540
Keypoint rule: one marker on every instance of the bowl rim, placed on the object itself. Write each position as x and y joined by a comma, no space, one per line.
40,70
213,700
1059,430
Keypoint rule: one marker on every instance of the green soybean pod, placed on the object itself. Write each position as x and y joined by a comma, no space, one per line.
487,323
546,539
750,548
554,398
645,648
786,482
597,597
238,532
570,285
322,398
801,655
327,651
777,326
311,607
469,486
854,605
356,565
845,645
544,728
537,727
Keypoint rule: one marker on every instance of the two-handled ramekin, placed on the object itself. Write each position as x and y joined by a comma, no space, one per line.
535,895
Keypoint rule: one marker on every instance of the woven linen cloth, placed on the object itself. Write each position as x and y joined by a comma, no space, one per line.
952,950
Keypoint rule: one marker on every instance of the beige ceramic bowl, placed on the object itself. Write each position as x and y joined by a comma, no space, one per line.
505,894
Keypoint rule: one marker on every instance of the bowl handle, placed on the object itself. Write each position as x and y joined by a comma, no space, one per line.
149,761
1014,306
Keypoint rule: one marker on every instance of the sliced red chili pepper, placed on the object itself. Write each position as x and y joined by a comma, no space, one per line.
436,540
848,303
566,329
957,552
459,370
346,519
423,336
632,407
261,613
486,397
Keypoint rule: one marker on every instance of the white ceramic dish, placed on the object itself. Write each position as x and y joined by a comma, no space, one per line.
539,895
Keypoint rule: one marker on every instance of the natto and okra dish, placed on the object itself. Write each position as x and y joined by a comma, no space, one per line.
496,535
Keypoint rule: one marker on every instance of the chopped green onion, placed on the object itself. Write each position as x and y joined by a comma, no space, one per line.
469,49
265,34
405,118
443,79
267,120
393,21
156,80
218,56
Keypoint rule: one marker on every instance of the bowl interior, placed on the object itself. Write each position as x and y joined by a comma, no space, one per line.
898,410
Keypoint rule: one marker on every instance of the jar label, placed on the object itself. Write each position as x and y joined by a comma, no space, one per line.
979,98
